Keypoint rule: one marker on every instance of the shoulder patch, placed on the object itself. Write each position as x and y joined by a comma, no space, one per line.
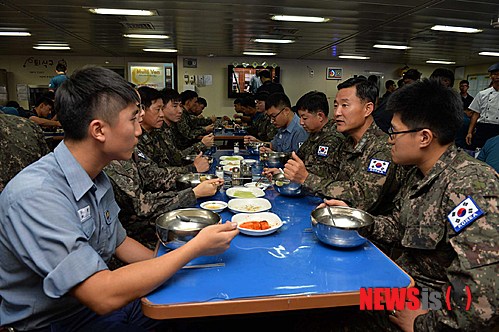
322,151
378,166
464,214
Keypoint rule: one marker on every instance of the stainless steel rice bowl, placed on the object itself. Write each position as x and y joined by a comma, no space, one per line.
172,231
191,180
348,230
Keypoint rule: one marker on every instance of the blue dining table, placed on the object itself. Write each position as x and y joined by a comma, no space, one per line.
286,270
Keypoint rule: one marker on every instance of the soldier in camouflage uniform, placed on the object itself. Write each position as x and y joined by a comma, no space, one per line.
264,129
143,198
446,218
157,145
362,172
185,131
21,143
316,152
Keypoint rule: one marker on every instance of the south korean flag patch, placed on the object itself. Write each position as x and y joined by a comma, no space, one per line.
322,151
378,166
464,214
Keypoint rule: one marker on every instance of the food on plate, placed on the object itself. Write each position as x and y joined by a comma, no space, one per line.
232,158
252,208
255,225
213,206
243,194
202,178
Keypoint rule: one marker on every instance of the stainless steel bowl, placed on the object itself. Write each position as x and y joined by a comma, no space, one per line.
253,147
190,180
285,187
348,230
275,159
173,231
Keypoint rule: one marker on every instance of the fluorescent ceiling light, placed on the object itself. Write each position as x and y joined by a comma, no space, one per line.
489,53
260,53
164,50
392,47
126,12
135,35
48,47
273,41
441,62
15,33
354,57
455,29
291,18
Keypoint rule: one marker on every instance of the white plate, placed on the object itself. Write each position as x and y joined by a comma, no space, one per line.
273,219
230,162
232,158
215,206
243,192
249,205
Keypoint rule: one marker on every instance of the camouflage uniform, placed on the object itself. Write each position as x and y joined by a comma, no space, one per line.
166,154
317,151
153,146
434,254
185,133
21,143
199,121
264,129
140,205
350,179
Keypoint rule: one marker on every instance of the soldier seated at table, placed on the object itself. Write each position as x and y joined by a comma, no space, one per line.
290,135
265,130
157,140
144,191
21,143
446,218
362,172
186,131
40,113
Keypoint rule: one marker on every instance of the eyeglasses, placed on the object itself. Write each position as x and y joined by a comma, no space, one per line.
392,133
273,117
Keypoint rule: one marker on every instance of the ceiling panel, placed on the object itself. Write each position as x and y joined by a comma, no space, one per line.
227,27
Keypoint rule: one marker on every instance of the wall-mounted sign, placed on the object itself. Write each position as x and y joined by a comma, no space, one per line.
334,73
155,75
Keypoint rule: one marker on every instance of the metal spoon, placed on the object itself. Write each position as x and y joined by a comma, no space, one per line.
330,213
187,219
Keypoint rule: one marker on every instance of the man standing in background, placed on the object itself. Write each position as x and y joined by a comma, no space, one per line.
60,76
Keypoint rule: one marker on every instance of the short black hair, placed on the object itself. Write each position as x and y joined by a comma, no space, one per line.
299,103
278,100
265,73
248,101
237,101
91,93
428,104
46,101
187,95
169,94
412,74
445,73
315,102
61,67
366,90
262,95
12,103
389,83
464,82
148,95
400,83
202,101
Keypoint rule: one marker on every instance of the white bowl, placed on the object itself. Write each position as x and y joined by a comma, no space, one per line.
215,206
273,219
231,158
250,161
250,205
243,192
